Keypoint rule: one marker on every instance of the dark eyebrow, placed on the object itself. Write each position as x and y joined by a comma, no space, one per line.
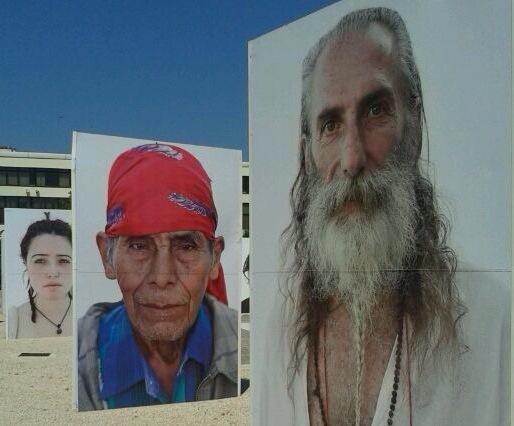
190,237
46,255
375,95
184,237
335,111
327,113
137,238
140,238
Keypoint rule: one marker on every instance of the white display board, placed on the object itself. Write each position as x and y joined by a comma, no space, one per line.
14,277
92,157
463,52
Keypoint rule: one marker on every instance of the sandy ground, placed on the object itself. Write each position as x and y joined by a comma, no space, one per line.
37,390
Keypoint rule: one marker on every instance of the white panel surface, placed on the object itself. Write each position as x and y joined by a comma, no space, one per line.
92,157
14,279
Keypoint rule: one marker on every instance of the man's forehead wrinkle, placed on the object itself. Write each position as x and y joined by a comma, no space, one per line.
333,96
382,79
356,59
360,90
164,236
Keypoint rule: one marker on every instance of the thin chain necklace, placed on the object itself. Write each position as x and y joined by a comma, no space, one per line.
397,365
58,325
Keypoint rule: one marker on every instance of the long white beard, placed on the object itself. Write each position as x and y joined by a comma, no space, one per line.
358,255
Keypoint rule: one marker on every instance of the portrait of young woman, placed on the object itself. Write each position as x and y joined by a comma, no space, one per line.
46,253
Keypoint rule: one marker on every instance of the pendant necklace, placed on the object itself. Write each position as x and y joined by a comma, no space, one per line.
58,325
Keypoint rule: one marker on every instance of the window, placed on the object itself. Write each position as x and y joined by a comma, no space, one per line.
24,177
37,203
246,220
24,203
12,177
52,178
33,203
8,202
65,203
64,180
51,203
40,179
246,184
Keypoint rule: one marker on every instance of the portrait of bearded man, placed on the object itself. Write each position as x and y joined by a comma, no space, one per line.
380,325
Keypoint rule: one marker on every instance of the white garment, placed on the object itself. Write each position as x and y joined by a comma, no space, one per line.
477,393
21,326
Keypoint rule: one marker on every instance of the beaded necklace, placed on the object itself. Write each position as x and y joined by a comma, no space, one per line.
396,382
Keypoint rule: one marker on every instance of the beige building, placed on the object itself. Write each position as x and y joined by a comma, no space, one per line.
33,180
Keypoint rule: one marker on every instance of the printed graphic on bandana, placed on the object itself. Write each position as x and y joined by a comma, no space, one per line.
160,148
114,215
37,273
155,215
189,204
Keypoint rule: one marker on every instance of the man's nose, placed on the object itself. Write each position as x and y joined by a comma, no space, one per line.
351,152
163,267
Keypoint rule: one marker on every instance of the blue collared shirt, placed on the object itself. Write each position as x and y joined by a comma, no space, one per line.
126,379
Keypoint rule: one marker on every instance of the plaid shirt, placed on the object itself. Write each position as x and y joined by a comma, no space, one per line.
126,379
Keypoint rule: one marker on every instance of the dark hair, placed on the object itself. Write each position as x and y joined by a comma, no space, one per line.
41,227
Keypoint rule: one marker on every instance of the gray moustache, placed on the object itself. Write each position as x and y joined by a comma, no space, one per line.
370,191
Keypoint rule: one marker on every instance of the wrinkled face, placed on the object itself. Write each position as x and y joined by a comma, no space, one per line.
49,266
362,209
355,110
163,278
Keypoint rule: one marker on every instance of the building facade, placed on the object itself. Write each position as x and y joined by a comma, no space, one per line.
32,180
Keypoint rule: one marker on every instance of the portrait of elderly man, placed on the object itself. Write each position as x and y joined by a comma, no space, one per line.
171,338
381,327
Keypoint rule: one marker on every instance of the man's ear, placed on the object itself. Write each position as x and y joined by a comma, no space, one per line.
101,242
217,249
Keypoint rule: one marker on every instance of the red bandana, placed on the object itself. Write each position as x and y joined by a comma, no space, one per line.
158,188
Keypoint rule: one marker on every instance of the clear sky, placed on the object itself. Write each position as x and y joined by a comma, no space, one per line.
170,70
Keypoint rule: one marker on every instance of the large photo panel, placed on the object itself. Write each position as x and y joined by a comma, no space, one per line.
364,226
37,273
158,271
